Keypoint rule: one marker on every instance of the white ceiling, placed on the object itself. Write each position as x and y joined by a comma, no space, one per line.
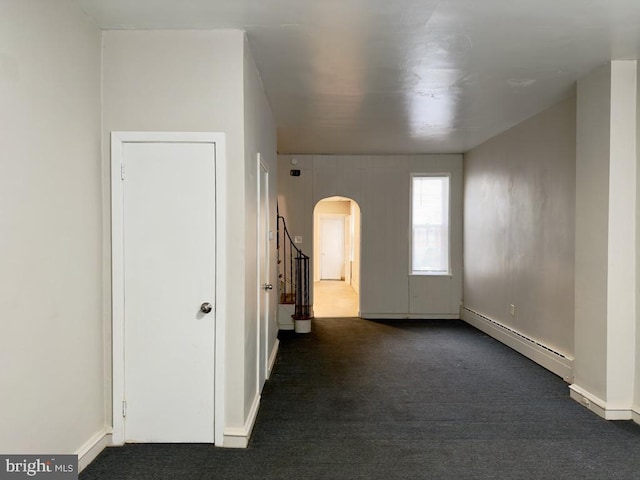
403,76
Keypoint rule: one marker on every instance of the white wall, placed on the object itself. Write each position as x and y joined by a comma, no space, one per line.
592,218
636,393
519,227
381,187
259,137
51,344
606,246
355,268
621,274
188,81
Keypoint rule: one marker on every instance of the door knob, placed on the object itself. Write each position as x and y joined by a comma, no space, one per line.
267,286
206,307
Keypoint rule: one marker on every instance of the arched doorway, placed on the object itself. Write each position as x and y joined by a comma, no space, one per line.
336,258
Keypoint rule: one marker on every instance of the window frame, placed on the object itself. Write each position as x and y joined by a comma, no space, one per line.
432,273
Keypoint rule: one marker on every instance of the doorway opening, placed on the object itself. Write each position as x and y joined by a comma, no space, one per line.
336,258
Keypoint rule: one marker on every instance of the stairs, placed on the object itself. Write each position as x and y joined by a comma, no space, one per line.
287,298
294,283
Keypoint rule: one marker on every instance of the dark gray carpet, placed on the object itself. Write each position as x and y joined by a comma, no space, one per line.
357,399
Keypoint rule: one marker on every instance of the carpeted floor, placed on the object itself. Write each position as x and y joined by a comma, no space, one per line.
357,399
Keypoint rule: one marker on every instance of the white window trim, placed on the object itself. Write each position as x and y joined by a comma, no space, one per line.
412,272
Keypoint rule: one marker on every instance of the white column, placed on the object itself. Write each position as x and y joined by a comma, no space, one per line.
605,332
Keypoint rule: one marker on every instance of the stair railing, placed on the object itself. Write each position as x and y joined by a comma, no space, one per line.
293,272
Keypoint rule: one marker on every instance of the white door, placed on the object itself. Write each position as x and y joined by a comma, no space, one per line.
264,287
169,284
331,248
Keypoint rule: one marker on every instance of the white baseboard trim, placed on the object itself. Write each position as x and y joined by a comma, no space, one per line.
546,357
239,437
408,316
235,440
599,406
272,357
92,448
635,414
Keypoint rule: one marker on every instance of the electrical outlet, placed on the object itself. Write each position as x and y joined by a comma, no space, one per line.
512,310
297,239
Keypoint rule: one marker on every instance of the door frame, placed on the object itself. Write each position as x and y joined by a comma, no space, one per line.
263,349
118,139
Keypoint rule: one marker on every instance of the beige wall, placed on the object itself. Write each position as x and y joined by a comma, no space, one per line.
519,227
380,185
592,218
339,207
51,345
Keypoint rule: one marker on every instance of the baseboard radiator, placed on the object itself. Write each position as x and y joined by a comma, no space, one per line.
552,360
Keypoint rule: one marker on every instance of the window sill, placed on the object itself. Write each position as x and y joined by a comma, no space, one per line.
431,274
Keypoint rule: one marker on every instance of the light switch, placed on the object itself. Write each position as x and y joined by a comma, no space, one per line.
297,239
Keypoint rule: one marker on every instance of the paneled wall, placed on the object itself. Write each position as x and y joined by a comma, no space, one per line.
381,187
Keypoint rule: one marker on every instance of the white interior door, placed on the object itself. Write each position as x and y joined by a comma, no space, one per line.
169,277
264,287
331,248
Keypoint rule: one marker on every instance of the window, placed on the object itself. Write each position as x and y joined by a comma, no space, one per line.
430,224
